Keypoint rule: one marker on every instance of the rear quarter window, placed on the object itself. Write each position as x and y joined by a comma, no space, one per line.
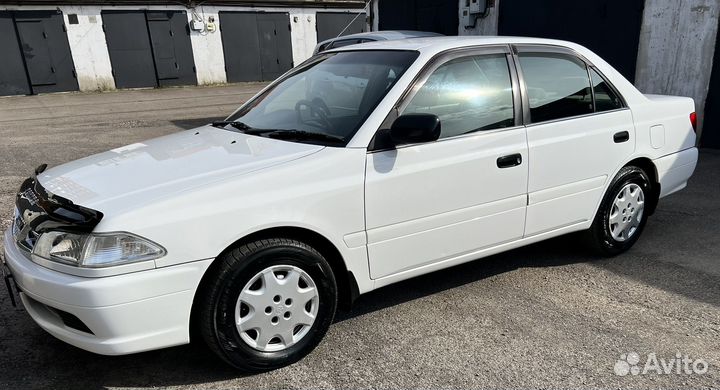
605,97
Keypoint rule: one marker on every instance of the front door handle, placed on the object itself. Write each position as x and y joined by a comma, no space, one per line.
620,137
509,161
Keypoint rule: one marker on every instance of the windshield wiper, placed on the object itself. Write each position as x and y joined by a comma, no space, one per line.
236,124
296,134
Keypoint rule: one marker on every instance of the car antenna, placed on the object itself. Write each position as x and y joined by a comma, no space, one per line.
353,19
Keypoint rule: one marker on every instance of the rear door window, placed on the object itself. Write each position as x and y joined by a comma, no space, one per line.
558,86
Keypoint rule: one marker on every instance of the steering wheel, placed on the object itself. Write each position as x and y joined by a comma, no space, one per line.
319,111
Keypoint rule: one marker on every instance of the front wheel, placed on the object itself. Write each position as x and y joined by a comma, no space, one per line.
622,214
267,304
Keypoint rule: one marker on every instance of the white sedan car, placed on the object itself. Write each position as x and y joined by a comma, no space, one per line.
361,167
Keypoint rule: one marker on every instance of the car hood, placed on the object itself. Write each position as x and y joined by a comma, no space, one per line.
139,173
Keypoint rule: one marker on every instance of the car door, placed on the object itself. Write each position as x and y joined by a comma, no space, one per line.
441,201
579,133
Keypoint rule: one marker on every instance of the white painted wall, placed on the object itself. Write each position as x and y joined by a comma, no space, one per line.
303,33
207,49
677,42
89,49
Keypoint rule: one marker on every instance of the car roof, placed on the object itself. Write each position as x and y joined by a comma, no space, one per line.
432,45
383,35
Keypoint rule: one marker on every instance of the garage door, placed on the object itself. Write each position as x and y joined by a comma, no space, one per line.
149,49
711,128
257,46
13,79
39,53
440,16
172,50
610,28
330,24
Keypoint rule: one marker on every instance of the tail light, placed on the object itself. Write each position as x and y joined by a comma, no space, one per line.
693,121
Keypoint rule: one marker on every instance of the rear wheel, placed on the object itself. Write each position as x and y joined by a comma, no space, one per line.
622,215
267,304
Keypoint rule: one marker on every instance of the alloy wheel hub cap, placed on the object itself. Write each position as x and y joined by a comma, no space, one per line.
276,308
626,212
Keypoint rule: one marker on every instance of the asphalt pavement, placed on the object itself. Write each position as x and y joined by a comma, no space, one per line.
546,316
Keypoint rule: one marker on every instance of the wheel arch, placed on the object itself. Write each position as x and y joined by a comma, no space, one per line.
348,289
650,169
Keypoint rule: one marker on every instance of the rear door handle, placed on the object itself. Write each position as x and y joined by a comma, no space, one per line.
620,137
509,161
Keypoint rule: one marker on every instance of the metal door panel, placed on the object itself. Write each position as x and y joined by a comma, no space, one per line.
241,46
45,30
436,201
257,46
13,79
182,47
275,47
172,50
284,46
130,49
34,43
609,28
710,135
163,49
440,16
65,76
330,24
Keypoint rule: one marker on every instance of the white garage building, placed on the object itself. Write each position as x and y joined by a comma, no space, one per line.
52,46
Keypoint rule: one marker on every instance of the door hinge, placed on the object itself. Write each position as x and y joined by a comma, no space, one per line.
64,27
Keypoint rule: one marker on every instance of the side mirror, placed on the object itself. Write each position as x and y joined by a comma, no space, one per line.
415,129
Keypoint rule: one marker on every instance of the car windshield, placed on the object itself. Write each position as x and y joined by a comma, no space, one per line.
326,100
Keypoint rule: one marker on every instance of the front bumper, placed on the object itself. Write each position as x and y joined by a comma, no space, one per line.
114,315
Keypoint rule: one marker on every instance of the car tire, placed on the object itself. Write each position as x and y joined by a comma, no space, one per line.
623,212
267,304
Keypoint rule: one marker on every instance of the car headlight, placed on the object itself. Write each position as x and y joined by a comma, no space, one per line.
96,250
